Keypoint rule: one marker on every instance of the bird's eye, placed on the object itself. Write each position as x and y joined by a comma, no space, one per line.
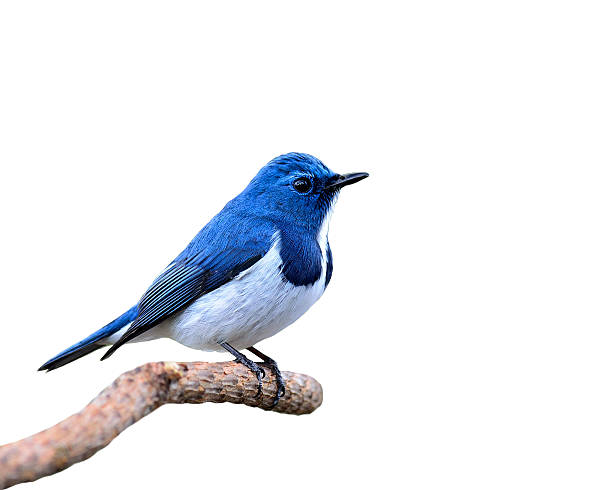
302,185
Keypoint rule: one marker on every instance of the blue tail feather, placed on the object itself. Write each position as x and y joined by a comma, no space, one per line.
90,343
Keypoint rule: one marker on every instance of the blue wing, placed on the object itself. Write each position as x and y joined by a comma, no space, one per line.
224,248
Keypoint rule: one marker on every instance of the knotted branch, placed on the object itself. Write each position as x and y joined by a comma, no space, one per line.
135,394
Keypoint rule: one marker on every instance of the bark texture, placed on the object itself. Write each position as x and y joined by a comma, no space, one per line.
136,394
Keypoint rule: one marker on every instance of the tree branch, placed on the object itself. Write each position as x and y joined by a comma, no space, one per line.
135,394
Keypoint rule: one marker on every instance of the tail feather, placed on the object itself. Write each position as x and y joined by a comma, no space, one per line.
91,343
66,358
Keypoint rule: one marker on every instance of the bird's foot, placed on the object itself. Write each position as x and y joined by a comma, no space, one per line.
271,363
252,365
280,382
257,370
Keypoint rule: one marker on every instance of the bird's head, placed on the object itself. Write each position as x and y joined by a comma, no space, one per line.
297,187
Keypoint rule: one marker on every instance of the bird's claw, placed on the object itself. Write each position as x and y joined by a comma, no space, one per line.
257,370
280,382
261,374
280,389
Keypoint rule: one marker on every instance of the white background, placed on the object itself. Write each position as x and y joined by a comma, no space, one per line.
464,341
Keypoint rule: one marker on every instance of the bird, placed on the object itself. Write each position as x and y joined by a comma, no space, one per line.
253,270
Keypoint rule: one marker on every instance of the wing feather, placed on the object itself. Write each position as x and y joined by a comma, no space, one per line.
183,282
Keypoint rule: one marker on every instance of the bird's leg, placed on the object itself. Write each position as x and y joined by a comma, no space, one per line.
252,365
271,363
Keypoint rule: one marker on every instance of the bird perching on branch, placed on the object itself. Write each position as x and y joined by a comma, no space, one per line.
254,269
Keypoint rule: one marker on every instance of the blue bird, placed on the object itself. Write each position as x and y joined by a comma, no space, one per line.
254,269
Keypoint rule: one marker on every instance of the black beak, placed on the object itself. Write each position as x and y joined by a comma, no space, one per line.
340,181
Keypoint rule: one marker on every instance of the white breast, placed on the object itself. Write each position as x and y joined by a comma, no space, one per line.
255,305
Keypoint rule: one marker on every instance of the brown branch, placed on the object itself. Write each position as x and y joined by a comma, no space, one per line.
136,394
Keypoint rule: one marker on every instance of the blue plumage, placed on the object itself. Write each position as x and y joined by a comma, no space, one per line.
259,264
90,344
